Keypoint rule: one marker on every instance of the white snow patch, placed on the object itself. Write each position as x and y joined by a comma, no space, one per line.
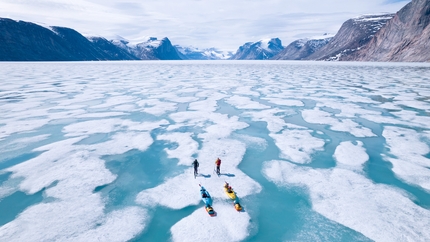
183,190
157,107
100,115
208,105
109,126
118,225
23,142
245,103
351,155
71,175
274,119
246,90
380,212
215,125
20,126
92,127
297,145
285,102
264,44
186,146
344,125
409,163
176,193
228,225
121,143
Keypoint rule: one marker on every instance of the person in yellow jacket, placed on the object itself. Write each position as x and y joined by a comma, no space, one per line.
218,164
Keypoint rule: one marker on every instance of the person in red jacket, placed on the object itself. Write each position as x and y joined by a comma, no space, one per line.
218,164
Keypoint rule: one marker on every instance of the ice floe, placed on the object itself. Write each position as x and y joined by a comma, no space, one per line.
274,118
349,154
285,102
183,190
228,225
70,176
344,125
350,198
297,145
408,162
216,125
186,146
241,102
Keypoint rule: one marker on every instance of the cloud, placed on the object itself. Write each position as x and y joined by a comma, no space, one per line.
224,24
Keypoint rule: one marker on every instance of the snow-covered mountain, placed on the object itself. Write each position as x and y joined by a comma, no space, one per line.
353,35
302,48
150,49
260,50
191,53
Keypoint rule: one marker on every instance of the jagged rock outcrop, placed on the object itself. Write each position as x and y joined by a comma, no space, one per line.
353,35
406,37
302,48
261,50
190,53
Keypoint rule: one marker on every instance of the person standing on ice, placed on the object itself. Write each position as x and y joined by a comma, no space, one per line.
196,166
218,164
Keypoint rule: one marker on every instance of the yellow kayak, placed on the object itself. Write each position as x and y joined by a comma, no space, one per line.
229,191
230,194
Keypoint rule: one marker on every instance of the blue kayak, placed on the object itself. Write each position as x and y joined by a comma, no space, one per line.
207,199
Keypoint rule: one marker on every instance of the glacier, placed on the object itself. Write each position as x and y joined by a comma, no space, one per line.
316,151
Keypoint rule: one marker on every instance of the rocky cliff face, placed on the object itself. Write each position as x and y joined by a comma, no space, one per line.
261,50
302,48
406,37
353,35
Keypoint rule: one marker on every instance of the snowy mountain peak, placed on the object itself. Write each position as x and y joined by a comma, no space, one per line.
193,53
260,50
151,42
269,44
148,48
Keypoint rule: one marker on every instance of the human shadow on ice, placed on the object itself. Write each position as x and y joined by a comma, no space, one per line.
204,175
227,174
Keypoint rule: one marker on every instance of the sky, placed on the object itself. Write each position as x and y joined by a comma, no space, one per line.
223,24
